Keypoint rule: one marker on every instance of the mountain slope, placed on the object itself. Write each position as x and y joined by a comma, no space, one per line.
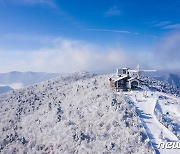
173,79
78,113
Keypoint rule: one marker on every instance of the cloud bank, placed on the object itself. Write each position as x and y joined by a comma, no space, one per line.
66,56
167,53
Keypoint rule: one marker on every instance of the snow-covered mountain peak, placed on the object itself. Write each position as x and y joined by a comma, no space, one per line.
77,113
80,74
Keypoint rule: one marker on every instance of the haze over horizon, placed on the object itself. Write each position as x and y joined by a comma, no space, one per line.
66,36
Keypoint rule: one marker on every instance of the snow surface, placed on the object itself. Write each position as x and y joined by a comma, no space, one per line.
146,107
78,113
167,112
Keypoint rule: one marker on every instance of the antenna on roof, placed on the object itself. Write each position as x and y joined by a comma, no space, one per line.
138,72
138,67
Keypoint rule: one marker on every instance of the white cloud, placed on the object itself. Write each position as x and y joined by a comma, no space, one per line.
167,53
161,23
46,2
172,26
111,30
50,3
113,11
166,25
66,56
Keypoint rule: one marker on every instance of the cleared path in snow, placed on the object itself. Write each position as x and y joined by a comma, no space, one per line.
145,108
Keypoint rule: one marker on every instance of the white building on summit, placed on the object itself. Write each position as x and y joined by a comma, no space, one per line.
126,78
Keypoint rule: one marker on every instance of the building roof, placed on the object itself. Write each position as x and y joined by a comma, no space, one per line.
133,78
117,78
124,68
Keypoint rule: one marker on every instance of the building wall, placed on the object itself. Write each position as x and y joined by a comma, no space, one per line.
135,82
121,84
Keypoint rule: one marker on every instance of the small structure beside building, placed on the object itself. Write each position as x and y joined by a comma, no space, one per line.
126,78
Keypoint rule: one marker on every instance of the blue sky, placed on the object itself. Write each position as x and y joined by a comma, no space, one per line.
88,33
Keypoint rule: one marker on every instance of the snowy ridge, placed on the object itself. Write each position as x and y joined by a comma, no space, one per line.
77,113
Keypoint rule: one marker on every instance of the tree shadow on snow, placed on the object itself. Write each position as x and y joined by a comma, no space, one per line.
142,114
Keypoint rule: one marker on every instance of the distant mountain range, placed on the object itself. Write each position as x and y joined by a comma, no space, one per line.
26,78
15,80
4,89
